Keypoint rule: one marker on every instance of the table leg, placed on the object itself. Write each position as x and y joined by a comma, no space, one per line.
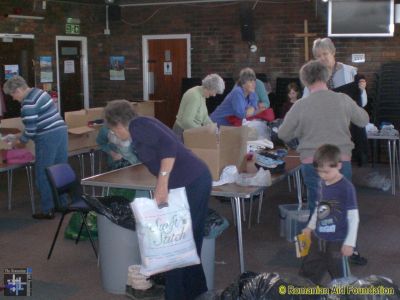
30,184
239,233
81,159
250,212
396,165
297,177
392,175
91,156
259,206
233,211
9,183
397,151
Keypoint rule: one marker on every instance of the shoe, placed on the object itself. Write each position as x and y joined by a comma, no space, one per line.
153,293
357,259
44,216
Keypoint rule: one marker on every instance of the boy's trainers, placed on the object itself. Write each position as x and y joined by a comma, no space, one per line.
357,259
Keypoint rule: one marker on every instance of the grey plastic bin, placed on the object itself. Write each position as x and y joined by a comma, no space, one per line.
118,249
208,260
292,220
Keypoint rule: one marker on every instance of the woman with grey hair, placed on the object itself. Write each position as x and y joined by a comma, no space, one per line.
323,117
166,157
45,127
241,102
341,74
193,110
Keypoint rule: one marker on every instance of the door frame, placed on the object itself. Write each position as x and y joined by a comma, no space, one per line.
84,67
145,56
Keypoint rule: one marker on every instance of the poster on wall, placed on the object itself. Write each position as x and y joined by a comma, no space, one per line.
117,67
46,71
10,71
69,66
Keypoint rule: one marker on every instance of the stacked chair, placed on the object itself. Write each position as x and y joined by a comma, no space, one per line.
387,102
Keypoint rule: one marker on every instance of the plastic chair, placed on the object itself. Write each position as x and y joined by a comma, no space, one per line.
63,181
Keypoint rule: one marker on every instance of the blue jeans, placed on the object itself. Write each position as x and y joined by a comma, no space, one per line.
313,181
51,148
189,282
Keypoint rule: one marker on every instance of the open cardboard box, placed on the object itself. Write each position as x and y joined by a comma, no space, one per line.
17,124
144,108
228,147
80,135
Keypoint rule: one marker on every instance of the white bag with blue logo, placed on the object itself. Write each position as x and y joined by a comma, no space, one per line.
165,234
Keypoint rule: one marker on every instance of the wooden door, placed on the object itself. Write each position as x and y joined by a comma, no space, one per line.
71,95
168,64
18,53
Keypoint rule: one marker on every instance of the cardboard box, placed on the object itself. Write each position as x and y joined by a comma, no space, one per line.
228,147
144,108
77,118
82,137
79,134
16,123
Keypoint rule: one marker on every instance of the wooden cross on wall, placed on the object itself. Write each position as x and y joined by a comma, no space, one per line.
305,35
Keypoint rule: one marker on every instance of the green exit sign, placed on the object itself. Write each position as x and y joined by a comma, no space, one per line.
72,29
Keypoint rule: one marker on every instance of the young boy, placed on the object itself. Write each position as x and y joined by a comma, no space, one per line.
334,223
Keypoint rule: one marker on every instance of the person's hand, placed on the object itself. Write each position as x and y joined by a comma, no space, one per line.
261,106
17,144
362,84
347,250
307,232
20,145
250,111
161,192
115,156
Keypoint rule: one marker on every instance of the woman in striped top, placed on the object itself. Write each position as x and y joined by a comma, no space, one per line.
46,128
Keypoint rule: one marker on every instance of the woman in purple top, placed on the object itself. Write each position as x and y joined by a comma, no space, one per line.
165,156
241,102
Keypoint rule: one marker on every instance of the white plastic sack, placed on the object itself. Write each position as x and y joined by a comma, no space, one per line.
261,178
260,126
165,235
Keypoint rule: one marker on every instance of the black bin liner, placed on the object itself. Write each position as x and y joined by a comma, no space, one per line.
116,208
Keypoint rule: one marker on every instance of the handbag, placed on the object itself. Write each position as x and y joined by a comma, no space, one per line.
18,156
165,234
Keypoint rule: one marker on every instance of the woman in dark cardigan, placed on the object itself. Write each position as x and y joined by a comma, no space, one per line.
166,157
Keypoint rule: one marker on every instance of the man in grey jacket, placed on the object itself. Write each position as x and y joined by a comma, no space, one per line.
323,117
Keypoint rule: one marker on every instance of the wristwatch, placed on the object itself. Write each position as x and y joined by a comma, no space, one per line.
164,173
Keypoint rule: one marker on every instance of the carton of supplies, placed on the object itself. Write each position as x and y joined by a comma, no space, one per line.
145,108
218,148
15,124
80,135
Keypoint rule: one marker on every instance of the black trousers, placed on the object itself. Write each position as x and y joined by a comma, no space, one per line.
189,282
323,256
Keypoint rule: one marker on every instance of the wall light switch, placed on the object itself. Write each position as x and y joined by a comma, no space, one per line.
358,58
262,59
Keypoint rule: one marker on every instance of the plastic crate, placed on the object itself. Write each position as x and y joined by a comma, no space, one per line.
292,220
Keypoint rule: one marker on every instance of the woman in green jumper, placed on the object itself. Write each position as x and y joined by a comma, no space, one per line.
193,110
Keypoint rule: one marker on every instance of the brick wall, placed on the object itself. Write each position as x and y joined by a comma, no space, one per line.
215,37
